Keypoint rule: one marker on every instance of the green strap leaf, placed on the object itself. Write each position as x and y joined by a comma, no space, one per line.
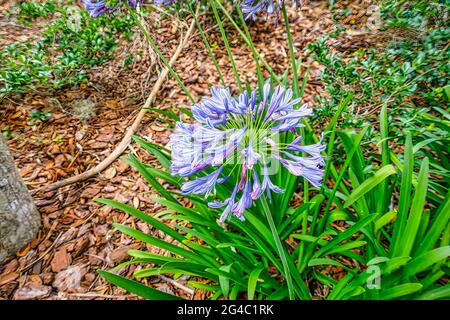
144,217
370,183
325,261
439,223
225,281
136,287
405,196
426,260
346,234
408,237
400,291
252,281
439,293
384,220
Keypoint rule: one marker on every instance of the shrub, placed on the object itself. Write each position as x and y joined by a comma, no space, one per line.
71,45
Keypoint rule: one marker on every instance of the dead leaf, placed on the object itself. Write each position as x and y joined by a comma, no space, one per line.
9,277
109,173
68,279
122,167
158,128
32,291
24,251
136,202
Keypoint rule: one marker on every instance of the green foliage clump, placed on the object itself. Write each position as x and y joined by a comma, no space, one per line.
28,11
39,115
409,75
400,249
71,45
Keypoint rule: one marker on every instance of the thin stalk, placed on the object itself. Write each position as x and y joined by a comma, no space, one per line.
227,45
383,204
295,88
295,68
255,56
249,42
280,247
207,45
137,19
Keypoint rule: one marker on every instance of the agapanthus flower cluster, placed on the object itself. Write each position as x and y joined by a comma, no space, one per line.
251,8
164,2
101,7
237,141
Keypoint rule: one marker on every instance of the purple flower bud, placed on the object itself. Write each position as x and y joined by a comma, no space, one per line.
254,7
202,185
244,203
257,190
313,150
96,9
312,173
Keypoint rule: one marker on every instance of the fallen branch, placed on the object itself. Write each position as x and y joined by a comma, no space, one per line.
131,130
178,285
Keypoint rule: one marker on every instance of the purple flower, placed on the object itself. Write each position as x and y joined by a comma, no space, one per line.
257,189
98,8
244,203
267,184
313,150
254,7
229,203
134,3
239,136
250,157
203,185
220,152
309,168
164,2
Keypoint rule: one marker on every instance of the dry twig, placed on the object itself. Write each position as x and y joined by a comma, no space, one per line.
131,130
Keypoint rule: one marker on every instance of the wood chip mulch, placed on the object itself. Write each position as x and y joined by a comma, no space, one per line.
76,237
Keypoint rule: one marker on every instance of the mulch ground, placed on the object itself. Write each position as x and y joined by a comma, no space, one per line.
76,237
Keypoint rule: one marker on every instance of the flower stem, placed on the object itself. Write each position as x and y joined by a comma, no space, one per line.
208,46
255,55
280,248
137,18
227,45
249,42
